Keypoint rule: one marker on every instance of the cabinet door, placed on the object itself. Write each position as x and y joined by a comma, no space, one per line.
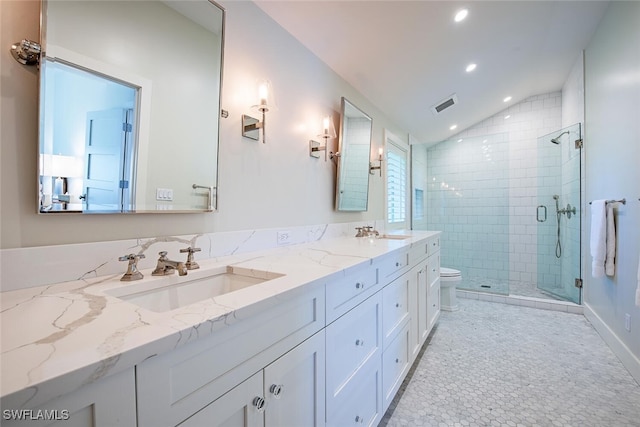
108,402
242,406
395,307
423,294
294,386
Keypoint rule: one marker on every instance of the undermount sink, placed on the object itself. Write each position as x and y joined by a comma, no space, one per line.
176,292
393,236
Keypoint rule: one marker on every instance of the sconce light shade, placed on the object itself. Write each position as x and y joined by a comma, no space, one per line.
266,101
327,132
328,128
379,167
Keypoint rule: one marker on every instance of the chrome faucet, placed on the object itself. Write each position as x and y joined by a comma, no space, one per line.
166,266
132,268
190,264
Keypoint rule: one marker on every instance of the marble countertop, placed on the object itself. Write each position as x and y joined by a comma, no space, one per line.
59,337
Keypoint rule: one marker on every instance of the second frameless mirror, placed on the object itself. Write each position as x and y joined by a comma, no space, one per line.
352,190
129,106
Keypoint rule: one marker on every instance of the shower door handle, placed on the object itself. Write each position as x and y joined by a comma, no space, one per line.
538,213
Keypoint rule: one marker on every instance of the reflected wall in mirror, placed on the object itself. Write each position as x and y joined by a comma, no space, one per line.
354,145
129,106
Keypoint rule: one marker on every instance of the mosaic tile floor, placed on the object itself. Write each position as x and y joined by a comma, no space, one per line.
492,364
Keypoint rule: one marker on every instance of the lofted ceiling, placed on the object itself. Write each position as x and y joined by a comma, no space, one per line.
407,56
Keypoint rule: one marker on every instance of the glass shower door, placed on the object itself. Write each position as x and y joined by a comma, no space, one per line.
558,213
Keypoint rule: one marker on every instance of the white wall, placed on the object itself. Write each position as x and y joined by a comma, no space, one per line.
612,150
261,185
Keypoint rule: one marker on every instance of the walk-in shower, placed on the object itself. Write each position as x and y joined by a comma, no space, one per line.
491,202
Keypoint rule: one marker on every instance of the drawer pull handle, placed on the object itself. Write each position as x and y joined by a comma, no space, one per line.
398,305
258,403
397,360
397,264
434,270
360,342
359,419
276,390
359,285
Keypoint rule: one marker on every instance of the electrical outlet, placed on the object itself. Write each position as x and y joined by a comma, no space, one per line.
627,322
284,238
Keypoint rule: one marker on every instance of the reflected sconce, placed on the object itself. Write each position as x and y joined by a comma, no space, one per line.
250,125
328,132
26,52
60,168
379,167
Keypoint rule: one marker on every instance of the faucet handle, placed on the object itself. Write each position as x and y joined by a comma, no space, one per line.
359,233
163,254
132,268
190,264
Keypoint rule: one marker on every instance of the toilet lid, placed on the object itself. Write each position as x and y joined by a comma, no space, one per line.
449,272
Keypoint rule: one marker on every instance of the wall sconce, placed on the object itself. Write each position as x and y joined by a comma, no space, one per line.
379,167
250,125
328,132
26,52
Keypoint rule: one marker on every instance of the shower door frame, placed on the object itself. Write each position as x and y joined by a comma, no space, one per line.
568,285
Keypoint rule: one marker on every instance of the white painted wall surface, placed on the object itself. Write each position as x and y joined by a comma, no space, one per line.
267,185
612,150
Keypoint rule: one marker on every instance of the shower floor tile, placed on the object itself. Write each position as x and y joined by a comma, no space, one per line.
492,364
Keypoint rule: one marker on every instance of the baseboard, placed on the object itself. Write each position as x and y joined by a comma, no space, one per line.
628,359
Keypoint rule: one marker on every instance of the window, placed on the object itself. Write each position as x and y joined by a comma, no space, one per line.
397,182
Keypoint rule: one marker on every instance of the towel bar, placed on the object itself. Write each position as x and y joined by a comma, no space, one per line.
623,201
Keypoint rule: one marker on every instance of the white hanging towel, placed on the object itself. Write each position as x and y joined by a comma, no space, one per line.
598,237
638,289
610,260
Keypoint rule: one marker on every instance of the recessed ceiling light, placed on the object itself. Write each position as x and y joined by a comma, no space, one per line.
460,15
507,116
471,67
452,127
460,140
507,99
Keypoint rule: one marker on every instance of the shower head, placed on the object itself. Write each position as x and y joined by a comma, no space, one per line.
556,140
556,197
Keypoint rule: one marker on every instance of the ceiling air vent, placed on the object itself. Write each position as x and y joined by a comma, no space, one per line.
448,102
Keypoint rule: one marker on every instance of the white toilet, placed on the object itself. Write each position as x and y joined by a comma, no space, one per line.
449,279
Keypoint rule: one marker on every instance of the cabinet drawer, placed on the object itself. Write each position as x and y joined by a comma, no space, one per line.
395,365
395,307
433,268
423,249
346,292
433,301
175,385
394,264
352,341
362,402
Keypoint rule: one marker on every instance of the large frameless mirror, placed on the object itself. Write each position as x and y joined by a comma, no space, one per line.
354,145
129,106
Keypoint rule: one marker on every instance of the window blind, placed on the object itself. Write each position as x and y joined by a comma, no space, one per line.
396,186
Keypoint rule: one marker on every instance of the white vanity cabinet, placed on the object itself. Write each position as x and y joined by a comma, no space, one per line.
288,392
174,386
107,402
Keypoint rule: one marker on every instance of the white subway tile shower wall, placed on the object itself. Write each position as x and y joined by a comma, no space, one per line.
508,185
